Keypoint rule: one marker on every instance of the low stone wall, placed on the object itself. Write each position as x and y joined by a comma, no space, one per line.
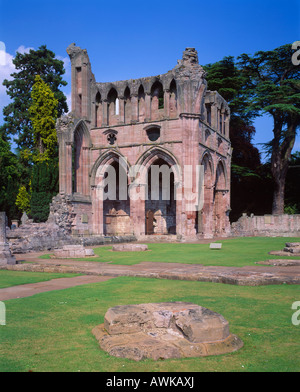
35,237
267,226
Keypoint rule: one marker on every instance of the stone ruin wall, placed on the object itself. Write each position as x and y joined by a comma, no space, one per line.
192,127
267,225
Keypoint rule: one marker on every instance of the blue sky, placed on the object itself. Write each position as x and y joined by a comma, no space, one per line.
131,39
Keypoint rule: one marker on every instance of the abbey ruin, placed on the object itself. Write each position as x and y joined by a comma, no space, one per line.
171,120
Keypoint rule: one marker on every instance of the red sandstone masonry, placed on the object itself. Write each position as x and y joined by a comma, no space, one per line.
110,123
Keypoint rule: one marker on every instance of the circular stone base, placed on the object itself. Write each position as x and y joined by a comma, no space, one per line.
165,330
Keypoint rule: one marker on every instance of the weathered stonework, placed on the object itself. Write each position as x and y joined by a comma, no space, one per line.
165,330
129,247
170,119
6,256
267,225
73,252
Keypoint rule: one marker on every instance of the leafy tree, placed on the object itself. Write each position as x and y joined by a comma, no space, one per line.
11,175
23,199
43,114
274,88
17,121
44,185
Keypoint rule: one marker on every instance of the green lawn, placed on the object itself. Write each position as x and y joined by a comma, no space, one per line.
52,331
236,252
14,278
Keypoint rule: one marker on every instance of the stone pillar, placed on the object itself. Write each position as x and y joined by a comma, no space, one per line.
137,194
5,254
69,170
105,113
167,103
122,119
134,109
147,107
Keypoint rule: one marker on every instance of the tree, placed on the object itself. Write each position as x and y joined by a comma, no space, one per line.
11,175
44,186
17,120
274,88
225,77
23,199
292,190
43,115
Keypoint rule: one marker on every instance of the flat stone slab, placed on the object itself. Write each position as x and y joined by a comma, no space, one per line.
129,247
165,330
73,251
215,245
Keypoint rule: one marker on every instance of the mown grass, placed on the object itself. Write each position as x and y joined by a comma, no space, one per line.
14,278
236,252
52,331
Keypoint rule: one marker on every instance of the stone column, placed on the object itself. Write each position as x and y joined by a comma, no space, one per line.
137,194
147,107
69,171
167,103
105,113
5,254
134,109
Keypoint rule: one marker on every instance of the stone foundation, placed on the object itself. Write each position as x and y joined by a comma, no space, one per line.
165,330
129,247
73,251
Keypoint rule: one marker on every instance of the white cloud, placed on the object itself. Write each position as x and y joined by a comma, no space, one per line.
69,102
22,49
67,65
6,69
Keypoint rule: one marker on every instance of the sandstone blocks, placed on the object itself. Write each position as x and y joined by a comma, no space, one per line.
5,254
129,247
73,251
165,330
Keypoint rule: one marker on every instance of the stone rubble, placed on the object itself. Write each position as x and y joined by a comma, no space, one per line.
165,330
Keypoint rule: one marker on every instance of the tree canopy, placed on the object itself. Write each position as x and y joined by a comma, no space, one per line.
17,121
274,88
43,115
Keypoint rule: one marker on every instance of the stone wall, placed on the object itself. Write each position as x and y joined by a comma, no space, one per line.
267,225
35,237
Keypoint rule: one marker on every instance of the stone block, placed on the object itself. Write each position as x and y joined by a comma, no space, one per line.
202,325
215,245
73,251
129,247
164,330
89,252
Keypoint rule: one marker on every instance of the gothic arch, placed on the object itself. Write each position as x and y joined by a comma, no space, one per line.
221,182
104,160
154,153
81,131
81,158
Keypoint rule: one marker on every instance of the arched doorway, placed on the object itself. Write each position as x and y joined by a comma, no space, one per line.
116,205
205,214
220,200
80,160
160,204
110,201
